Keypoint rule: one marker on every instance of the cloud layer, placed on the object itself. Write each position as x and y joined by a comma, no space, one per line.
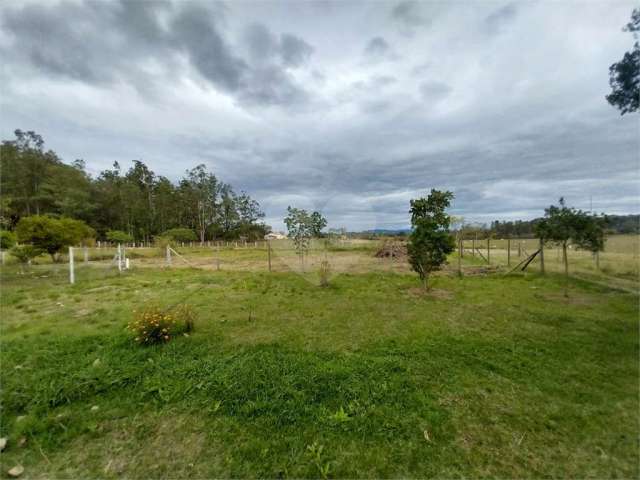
351,108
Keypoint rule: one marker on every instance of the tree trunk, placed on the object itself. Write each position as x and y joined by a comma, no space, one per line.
566,269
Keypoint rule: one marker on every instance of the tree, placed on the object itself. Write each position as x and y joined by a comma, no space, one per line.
300,230
181,235
563,225
52,234
318,222
624,76
118,236
430,241
24,253
7,239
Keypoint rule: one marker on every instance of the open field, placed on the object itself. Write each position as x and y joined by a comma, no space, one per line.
487,376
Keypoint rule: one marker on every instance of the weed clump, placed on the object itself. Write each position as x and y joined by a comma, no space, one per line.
325,273
154,325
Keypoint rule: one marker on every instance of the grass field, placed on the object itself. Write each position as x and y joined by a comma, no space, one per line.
487,376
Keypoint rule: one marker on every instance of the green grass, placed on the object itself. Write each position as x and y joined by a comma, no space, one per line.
488,376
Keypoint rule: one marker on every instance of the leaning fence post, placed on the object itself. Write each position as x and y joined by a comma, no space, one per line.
72,276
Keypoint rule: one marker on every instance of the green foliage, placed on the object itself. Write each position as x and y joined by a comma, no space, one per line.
318,222
7,239
563,224
155,325
430,241
50,234
25,253
181,235
624,76
118,236
299,228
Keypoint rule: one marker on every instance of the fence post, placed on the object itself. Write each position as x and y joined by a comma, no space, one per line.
519,248
541,256
269,253
460,257
126,263
473,245
86,255
488,250
72,276
168,255
119,257
2,255
508,252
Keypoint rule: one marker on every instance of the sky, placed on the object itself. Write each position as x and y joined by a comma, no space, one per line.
349,108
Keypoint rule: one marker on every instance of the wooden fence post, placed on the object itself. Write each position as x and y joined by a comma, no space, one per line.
269,253
489,250
72,276
541,256
473,245
460,257
508,252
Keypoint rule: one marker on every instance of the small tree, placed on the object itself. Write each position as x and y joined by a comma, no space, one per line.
52,234
564,225
181,235
118,236
24,254
300,230
430,241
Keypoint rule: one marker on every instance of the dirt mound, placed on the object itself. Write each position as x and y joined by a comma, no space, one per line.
394,250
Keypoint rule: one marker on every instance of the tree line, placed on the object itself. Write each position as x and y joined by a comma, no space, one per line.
137,202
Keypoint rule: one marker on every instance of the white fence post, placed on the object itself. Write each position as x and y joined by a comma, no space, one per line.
72,277
168,255
119,258
126,263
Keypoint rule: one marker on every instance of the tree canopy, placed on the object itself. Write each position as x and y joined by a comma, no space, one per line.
137,201
624,76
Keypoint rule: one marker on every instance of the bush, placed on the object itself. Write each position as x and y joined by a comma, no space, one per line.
181,235
7,239
155,325
51,234
118,236
25,253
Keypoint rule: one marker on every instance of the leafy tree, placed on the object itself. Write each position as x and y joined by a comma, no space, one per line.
318,222
300,230
118,236
624,76
7,239
563,225
52,234
24,253
430,241
181,235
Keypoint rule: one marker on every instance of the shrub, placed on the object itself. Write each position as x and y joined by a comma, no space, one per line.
155,325
181,235
52,234
118,236
325,273
24,253
7,239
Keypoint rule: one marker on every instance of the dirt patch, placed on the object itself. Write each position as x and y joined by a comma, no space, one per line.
572,299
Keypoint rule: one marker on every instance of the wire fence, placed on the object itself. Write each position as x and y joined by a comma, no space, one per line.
618,263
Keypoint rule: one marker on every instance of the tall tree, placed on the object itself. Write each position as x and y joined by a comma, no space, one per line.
430,241
624,76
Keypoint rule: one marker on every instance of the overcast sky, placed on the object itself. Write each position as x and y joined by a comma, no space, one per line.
350,108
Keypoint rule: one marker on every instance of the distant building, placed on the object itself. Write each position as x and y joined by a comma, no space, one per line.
275,236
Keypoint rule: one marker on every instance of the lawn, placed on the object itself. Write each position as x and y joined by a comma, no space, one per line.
489,376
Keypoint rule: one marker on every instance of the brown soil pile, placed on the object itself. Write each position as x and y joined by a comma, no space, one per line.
395,250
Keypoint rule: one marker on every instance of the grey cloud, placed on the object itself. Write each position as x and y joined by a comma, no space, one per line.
434,91
408,13
501,17
377,46
104,43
